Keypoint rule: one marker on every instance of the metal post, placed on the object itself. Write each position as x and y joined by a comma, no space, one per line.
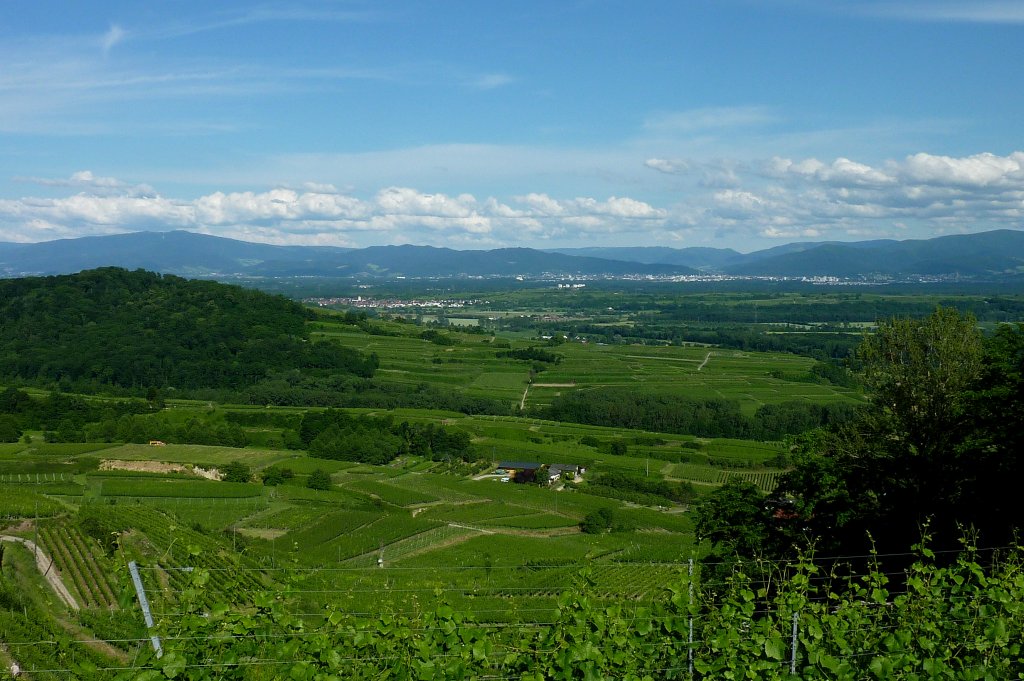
792,656
689,647
144,604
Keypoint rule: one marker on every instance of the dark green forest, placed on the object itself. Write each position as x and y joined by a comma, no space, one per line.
114,329
626,408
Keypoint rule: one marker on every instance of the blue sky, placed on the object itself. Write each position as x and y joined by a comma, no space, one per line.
478,124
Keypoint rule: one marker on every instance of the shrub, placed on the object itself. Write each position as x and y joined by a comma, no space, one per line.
319,479
236,471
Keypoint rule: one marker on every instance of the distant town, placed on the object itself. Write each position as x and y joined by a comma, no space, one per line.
391,303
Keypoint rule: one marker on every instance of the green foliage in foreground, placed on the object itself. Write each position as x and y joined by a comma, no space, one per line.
961,621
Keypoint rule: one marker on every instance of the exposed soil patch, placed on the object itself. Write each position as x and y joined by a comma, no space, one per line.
261,532
159,467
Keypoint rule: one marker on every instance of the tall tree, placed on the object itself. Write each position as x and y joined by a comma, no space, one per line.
930,446
901,463
990,493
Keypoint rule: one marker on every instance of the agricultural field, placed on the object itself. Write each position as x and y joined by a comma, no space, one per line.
471,365
416,521
403,536
200,455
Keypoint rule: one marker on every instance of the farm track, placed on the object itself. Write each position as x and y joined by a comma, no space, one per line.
704,363
13,668
474,529
659,358
45,563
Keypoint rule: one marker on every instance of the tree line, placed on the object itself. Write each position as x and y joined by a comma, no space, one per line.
63,418
625,408
934,452
334,434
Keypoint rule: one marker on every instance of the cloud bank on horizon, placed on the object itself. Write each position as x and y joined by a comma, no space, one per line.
709,123
777,198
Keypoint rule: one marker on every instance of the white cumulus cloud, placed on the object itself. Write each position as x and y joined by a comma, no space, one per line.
972,171
919,195
319,214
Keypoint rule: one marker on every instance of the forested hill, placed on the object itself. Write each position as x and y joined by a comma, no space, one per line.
112,327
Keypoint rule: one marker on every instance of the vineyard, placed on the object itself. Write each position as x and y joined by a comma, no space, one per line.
766,480
92,575
426,540
192,489
961,621
403,538
391,494
327,527
28,501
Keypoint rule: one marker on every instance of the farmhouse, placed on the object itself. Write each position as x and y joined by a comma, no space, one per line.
557,471
520,471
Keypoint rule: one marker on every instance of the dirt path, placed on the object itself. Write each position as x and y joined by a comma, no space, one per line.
12,665
467,527
704,362
45,565
522,402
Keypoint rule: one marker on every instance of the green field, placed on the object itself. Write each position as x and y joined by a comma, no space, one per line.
472,367
404,536
195,454
413,514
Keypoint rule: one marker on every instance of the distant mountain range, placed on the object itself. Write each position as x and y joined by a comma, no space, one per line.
988,255
190,254
996,254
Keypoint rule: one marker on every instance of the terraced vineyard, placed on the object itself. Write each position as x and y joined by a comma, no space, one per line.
167,552
180,489
371,537
28,501
392,494
502,550
765,480
84,567
329,527
436,538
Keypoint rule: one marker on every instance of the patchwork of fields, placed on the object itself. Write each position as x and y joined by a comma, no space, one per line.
402,536
479,541
472,366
